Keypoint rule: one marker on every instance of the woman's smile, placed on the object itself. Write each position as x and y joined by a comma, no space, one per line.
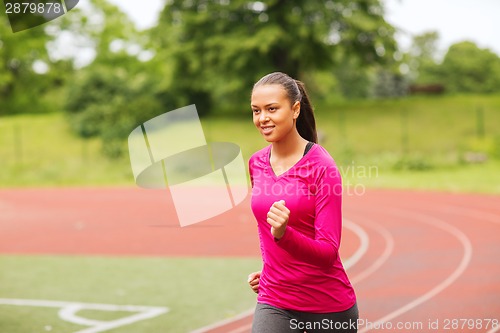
273,114
267,129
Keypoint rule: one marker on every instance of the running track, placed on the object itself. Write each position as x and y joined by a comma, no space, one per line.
415,257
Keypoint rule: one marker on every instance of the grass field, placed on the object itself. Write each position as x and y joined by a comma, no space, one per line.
196,290
415,142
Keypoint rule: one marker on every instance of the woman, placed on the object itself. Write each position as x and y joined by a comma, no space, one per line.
296,200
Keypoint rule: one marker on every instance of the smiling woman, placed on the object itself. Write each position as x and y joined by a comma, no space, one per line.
272,113
297,204
281,94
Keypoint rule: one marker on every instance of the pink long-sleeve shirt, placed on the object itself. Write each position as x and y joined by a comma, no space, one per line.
302,271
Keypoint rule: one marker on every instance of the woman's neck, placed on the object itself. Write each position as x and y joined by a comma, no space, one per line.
290,145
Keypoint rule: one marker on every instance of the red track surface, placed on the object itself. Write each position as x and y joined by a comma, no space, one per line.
431,256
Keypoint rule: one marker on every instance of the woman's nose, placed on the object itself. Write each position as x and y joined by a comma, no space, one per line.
263,117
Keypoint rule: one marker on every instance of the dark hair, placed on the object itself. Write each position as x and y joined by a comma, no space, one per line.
296,91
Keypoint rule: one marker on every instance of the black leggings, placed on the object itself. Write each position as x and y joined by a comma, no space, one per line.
270,319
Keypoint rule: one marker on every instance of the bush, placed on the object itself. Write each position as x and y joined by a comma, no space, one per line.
109,103
413,163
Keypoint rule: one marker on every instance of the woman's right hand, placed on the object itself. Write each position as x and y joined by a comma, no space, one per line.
253,281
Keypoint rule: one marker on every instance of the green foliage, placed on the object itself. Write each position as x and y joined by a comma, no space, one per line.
110,103
220,48
106,29
477,150
467,68
415,162
20,86
422,59
425,46
119,90
389,83
354,80
322,85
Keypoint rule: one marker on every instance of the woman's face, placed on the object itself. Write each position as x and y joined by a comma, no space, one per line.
273,114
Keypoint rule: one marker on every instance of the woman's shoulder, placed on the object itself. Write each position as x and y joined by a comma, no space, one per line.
321,155
324,165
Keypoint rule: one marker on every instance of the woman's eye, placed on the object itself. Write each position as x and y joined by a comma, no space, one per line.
272,109
255,111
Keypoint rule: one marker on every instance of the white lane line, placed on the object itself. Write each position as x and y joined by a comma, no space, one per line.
389,248
69,309
467,255
351,261
490,217
363,246
124,321
475,213
68,313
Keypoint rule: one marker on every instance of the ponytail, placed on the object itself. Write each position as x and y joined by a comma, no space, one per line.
306,124
296,91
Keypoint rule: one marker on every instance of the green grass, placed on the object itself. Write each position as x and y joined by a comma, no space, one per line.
434,125
414,142
198,291
483,178
40,150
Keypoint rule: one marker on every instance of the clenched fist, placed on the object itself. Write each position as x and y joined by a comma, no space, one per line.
277,217
253,281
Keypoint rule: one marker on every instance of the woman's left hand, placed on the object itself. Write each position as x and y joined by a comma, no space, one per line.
277,217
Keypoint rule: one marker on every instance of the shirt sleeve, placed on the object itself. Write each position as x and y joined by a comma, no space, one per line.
323,249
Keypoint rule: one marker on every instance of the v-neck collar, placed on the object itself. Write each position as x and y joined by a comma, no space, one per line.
286,172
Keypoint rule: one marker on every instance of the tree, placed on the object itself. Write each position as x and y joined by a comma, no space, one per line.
354,80
424,46
220,48
422,59
389,83
468,68
20,85
120,89
109,103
